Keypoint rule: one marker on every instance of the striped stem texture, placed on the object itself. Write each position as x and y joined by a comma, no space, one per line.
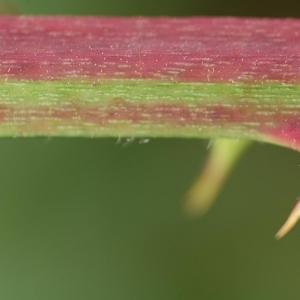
168,77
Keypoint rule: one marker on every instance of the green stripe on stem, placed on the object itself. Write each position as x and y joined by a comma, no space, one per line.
266,112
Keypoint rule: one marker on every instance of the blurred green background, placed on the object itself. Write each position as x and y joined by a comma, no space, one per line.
89,219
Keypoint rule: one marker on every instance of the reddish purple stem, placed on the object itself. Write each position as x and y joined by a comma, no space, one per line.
182,49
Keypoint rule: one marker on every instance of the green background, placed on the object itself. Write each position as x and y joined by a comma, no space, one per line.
92,219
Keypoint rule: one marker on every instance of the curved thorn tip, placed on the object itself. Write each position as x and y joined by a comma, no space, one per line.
290,222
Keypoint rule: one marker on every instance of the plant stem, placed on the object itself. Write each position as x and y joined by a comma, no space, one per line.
183,77
168,77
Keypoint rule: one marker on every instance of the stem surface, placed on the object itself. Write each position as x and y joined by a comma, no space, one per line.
169,77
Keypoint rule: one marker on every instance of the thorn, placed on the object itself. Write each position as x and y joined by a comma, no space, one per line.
223,156
290,222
